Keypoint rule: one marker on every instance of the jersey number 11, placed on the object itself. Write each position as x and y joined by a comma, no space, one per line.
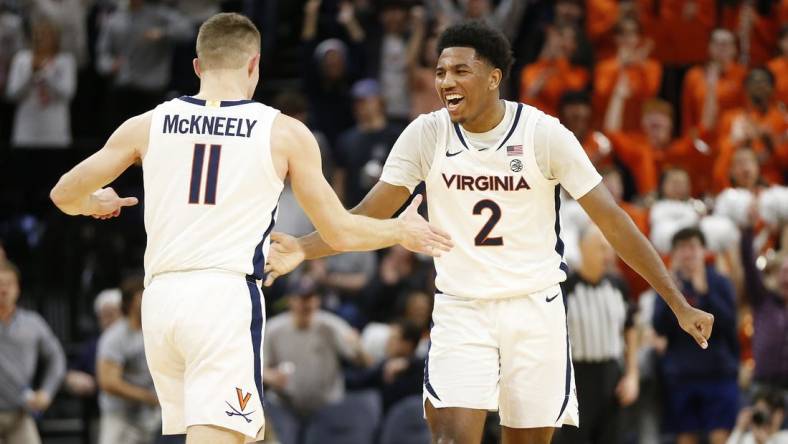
213,174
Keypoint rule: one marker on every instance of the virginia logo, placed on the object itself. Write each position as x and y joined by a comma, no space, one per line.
243,400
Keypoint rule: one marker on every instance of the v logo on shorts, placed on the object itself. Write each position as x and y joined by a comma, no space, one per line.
547,299
242,402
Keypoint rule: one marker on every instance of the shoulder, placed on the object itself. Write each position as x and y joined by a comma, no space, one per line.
695,73
114,334
23,56
30,317
431,122
287,131
330,320
619,284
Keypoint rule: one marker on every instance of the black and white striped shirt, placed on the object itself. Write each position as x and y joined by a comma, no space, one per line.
597,315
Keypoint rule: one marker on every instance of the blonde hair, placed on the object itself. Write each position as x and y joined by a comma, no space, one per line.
226,41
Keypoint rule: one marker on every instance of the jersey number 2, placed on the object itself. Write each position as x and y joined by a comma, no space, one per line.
483,239
213,174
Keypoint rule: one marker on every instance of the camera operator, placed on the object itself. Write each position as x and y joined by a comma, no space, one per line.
760,424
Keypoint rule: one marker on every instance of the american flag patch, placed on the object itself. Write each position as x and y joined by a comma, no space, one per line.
514,150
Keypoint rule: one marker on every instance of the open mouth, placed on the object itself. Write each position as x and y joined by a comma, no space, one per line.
453,101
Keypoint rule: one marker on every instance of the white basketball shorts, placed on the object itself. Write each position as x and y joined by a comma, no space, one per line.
510,355
203,334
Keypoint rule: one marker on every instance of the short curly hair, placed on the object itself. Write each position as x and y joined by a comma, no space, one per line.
489,44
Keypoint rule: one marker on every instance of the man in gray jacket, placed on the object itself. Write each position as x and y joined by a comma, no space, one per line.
26,343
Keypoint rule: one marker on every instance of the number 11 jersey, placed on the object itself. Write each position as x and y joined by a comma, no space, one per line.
494,200
211,190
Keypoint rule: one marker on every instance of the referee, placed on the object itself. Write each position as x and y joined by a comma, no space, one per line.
601,329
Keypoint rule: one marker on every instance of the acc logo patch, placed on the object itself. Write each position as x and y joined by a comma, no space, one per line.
516,165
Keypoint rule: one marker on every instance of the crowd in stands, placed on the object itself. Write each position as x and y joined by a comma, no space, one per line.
680,104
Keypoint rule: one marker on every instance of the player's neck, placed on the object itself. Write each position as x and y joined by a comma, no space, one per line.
221,86
488,119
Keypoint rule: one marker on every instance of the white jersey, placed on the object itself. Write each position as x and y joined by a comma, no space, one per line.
495,201
211,190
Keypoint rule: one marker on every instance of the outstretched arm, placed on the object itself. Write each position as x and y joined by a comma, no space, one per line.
341,230
637,252
287,252
79,191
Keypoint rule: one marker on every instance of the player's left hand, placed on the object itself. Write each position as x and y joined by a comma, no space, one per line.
106,204
697,323
284,255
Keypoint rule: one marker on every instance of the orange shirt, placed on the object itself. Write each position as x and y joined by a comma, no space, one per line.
632,149
773,163
730,93
601,18
601,156
680,39
561,77
763,35
782,12
686,153
644,81
779,67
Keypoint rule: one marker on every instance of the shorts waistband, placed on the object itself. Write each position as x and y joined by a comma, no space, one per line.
206,271
551,289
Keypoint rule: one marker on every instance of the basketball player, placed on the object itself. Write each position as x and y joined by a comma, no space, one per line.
493,170
213,168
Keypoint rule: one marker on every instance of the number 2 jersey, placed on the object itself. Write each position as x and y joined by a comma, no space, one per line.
211,190
497,194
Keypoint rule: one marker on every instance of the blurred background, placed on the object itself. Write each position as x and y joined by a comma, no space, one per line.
679,103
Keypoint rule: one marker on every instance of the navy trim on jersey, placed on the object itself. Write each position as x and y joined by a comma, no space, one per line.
459,135
213,174
258,260
427,384
223,103
568,384
559,244
256,330
514,125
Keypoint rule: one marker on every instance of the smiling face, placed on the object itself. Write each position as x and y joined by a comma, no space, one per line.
466,84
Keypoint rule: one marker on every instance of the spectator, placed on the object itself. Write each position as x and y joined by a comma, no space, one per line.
80,379
760,424
769,306
135,48
682,29
632,67
300,383
330,68
652,149
600,347
362,150
70,16
129,407
25,342
401,374
422,60
543,82
701,390
506,16
756,26
342,277
779,66
575,113
564,13
745,171
11,41
291,218
389,50
761,125
721,76
42,81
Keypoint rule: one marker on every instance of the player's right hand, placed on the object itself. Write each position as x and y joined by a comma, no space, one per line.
419,236
106,204
284,255
697,323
